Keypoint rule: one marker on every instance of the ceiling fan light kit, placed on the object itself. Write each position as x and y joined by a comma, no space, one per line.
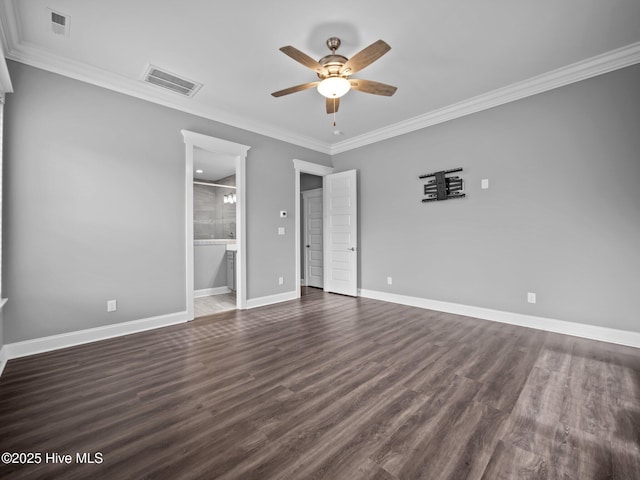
334,87
334,70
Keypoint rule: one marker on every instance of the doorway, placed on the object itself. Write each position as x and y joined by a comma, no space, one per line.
302,168
312,256
214,224
198,145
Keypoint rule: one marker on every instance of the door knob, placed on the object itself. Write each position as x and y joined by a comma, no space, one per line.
353,249
308,246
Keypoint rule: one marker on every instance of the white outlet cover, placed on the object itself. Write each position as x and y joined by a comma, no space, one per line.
389,281
485,183
531,297
112,305
281,230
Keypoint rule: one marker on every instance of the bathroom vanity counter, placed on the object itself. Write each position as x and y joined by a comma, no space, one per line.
214,241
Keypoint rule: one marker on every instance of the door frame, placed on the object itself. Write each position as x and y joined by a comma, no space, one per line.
194,140
301,166
314,193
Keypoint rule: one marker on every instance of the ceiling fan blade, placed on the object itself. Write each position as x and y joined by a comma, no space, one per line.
369,86
297,88
302,58
331,106
365,57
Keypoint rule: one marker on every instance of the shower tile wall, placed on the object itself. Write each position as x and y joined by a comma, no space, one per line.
212,218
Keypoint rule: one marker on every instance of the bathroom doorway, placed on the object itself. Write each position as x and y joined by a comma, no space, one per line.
214,232
215,170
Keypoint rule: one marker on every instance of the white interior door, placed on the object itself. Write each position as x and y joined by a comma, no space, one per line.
313,256
341,233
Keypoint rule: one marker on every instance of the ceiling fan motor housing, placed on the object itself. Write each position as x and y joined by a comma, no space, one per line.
332,64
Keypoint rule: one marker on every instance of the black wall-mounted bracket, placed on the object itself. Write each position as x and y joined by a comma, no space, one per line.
441,187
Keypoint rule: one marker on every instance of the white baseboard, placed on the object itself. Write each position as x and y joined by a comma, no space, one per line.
592,332
64,340
55,342
271,299
3,359
205,292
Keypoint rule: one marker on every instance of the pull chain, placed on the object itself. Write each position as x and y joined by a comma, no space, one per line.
334,111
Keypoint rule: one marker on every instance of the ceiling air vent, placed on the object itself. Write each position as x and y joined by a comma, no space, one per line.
169,81
59,22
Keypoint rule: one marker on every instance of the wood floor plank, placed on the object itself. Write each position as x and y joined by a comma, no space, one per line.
538,410
510,463
403,453
370,470
625,461
585,406
576,455
351,449
504,380
555,354
331,387
318,433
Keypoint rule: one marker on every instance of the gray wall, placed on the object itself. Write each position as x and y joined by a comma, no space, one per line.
561,217
210,266
94,206
212,218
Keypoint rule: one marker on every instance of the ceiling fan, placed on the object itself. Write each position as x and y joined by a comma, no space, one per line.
334,71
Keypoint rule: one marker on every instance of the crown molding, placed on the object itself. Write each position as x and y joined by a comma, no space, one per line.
18,50
5,79
101,78
591,67
15,49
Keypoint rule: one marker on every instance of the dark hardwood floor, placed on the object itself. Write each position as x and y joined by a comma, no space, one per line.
328,387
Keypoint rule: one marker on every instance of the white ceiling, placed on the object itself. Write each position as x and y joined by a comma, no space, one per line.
214,166
448,57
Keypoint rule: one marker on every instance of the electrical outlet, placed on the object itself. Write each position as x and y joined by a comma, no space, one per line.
112,305
531,297
280,280
281,230
485,183
389,281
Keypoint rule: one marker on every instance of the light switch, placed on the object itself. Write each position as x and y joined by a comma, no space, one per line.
280,230
112,305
